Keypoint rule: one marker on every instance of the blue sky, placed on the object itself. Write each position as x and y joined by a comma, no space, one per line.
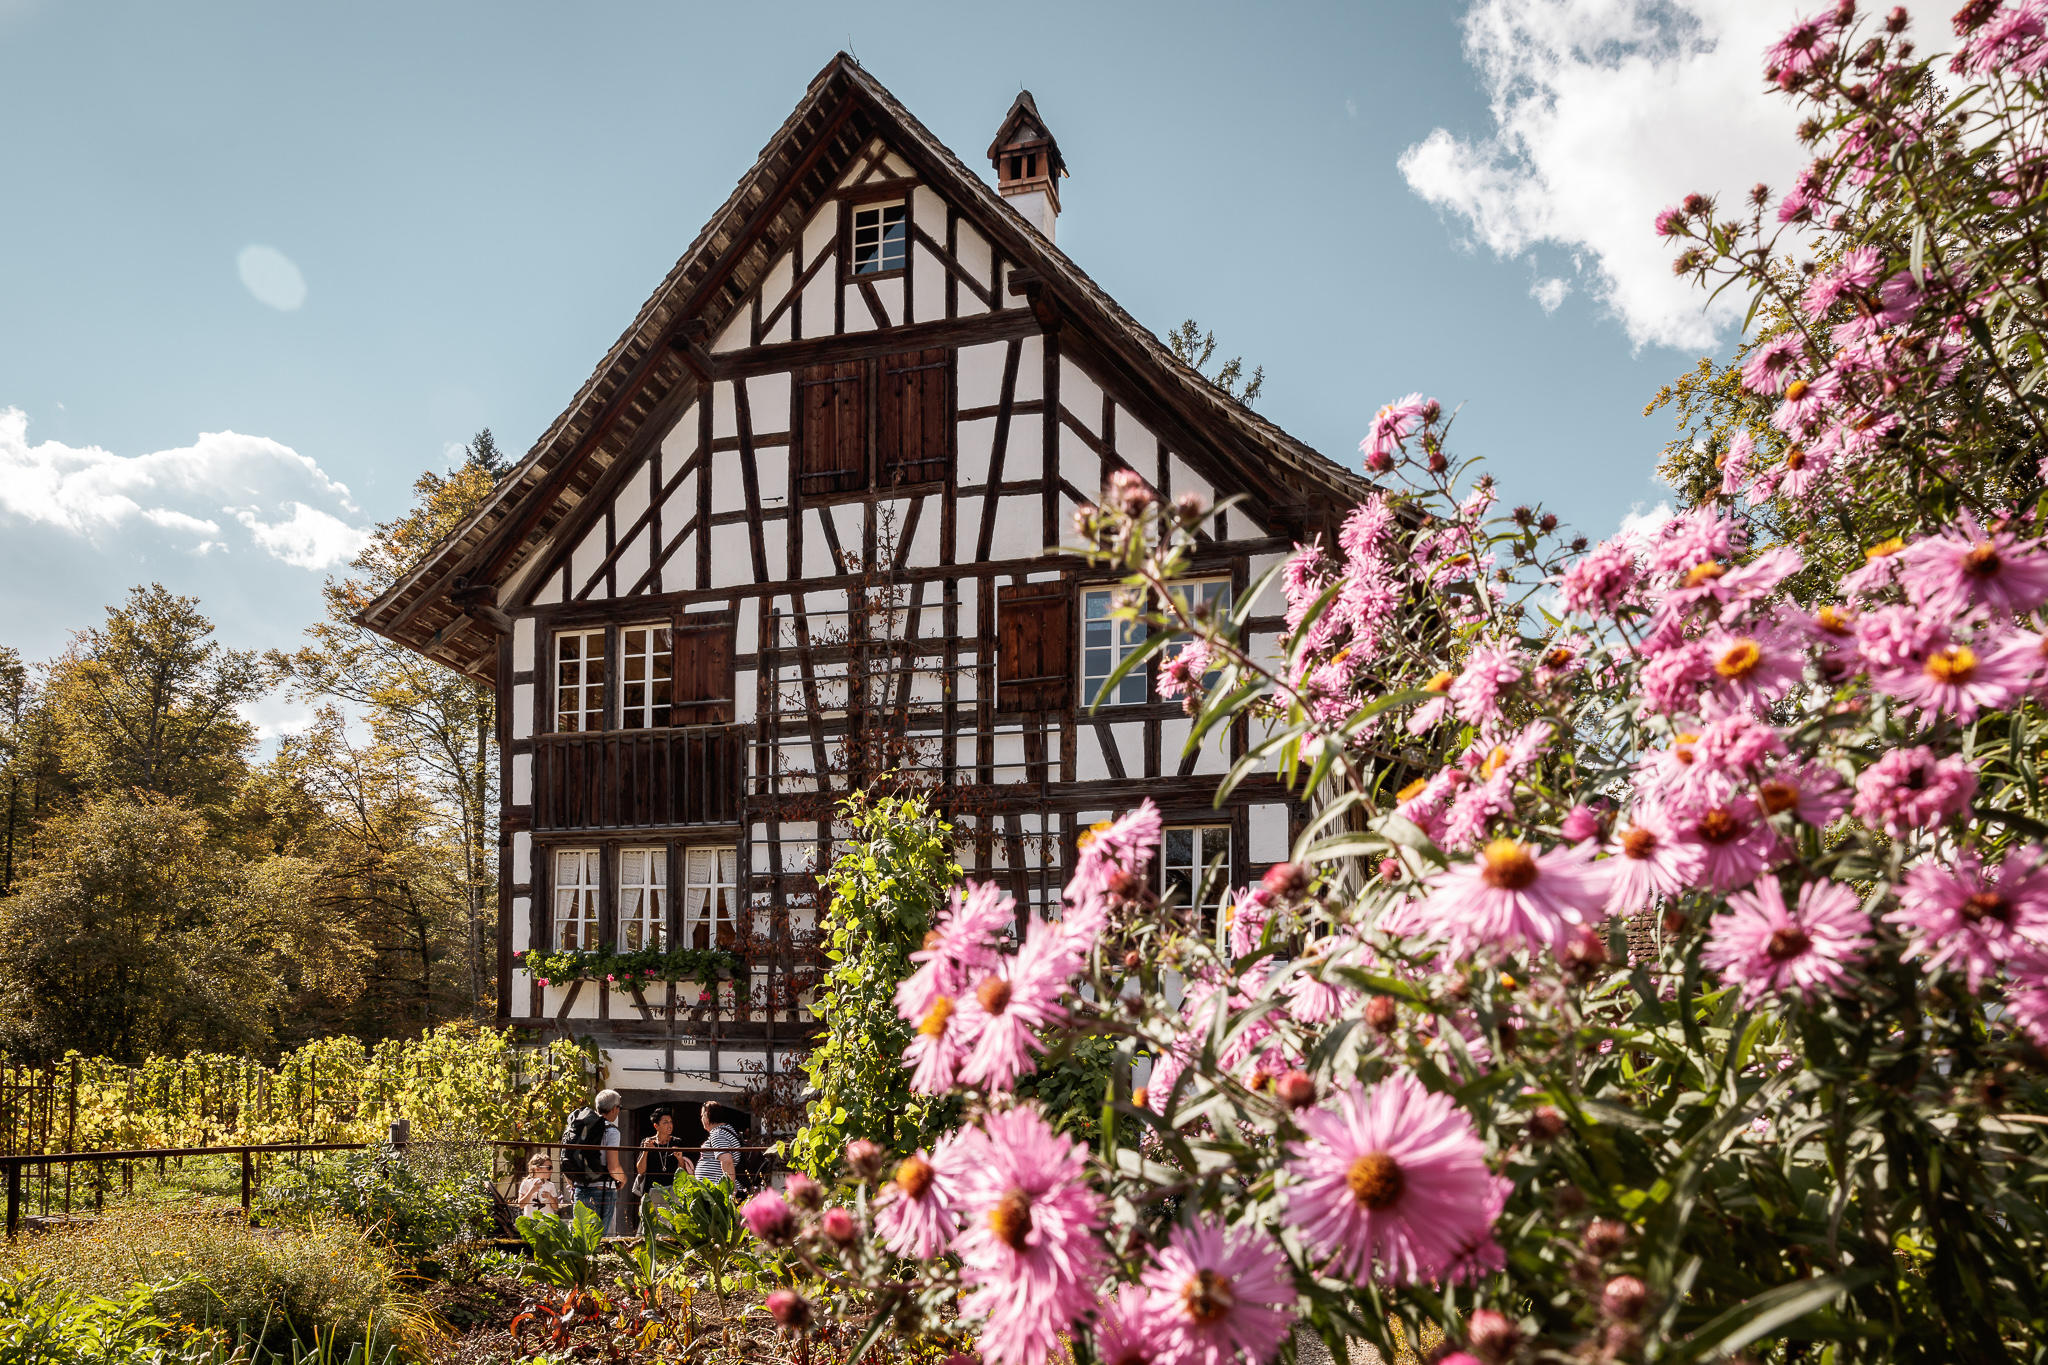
475,199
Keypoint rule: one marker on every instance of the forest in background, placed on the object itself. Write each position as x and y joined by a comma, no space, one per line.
165,887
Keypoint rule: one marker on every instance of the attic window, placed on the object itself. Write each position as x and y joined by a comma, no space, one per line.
881,238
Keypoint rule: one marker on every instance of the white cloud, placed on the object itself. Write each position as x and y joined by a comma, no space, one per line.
1549,294
308,539
1350,107
272,277
92,493
1605,111
1643,526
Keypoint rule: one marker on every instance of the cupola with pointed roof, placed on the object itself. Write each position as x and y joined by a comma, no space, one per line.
1028,165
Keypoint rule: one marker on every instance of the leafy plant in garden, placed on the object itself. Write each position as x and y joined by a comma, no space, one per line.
1661,978
565,1250
887,885
414,1213
641,964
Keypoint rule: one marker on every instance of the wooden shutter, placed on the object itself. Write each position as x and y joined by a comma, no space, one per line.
832,405
1034,646
915,435
703,672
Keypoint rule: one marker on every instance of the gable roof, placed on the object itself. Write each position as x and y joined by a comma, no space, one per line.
441,606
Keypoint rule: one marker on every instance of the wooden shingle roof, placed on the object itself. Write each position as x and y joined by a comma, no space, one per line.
645,380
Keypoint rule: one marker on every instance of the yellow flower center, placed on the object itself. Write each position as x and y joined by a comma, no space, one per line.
935,1018
1777,795
1795,458
1010,1219
1495,761
1441,682
1796,390
1207,1296
1982,560
1833,620
914,1176
993,993
1739,659
1412,790
1704,573
1952,664
1375,1180
1884,549
1639,843
1507,866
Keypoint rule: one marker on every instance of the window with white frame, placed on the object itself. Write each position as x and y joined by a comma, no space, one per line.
1185,855
711,896
1107,642
576,884
643,898
579,680
1210,593
881,238
646,677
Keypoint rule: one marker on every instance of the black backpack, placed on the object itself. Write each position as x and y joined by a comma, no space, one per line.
585,1129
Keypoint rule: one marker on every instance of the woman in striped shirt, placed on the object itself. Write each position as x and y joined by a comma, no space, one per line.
716,1161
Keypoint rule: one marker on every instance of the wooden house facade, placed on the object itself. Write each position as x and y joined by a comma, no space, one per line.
793,535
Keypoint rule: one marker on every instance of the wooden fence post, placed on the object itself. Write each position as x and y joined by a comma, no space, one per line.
13,1197
248,1181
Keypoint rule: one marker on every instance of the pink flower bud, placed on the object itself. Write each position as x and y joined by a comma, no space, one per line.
838,1226
1286,879
1381,1014
1580,824
1624,1298
1296,1089
769,1218
865,1159
803,1191
1491,1335
789,1308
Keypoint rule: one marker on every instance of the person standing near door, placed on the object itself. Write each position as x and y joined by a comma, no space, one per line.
657,1167
590,1155
716,1161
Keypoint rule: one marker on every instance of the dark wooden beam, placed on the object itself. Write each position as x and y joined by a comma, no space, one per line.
791,355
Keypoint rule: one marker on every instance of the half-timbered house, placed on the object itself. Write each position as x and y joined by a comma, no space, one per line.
793,534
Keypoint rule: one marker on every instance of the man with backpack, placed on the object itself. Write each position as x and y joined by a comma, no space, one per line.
590,1155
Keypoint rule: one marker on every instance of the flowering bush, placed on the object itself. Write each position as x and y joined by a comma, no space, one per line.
1664,972
629,967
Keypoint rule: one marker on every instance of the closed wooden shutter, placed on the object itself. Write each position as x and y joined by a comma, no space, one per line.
832,407
1034,647
915,434
703,671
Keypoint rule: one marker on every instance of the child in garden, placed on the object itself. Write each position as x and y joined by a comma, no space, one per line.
537,1193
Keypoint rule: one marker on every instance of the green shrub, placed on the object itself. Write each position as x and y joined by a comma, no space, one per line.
269,1288
42,1323
417,1203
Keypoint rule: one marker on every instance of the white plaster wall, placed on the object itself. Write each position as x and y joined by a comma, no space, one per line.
858,318
775,540
1268,834
818,299
635,559
522,707
728,485
968,608
897,166
967,521
768,403
522,779
1031,369
521,870
1024,455
1089,763
737,332
1020,532
928,277
974,440
1081,396
1185,480
635,491
981,373
522,642
974,257
681,441
550,590
725,420
522,923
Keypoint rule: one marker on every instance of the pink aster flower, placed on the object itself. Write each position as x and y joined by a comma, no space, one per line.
1805,401
1956,679
1393,424
2015,40
1368,529
914,1211
769,1218
1220,1296
1754,667
1734,840
1127,1330
1806,45
1734,463
1858,269
1975,915
1000,1018
1812,791
2026,1002
1511,895
1601,579
1668,221
937,1050
1111,856
1767,949
1488,671
1909,789
1030,1247
958,948
1950,573
1769,368
1392,1184
1182,671
1650,862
